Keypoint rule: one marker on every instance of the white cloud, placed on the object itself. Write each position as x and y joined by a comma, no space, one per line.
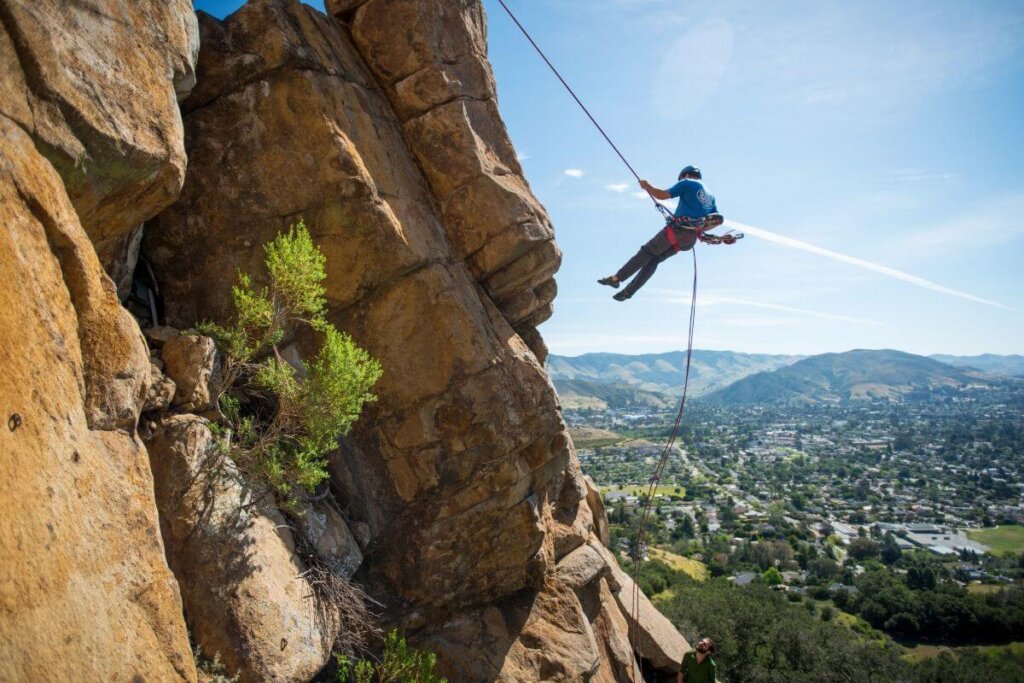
706,50
617,187
640,195
861,263
826,95
757,321
522,157
923,176
574,172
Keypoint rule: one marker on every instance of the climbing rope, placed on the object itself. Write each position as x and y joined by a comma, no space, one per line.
667,451
568,87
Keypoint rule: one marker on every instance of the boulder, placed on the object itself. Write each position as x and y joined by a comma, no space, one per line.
95,84
326,530
241,583
161,390
158,335
658,641
531,636
472,514
191,362
596,503
582,566
85,591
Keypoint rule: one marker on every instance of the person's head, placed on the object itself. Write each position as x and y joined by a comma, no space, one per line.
690,172
706,646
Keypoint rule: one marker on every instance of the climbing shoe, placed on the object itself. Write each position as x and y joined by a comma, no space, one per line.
610,281
622,296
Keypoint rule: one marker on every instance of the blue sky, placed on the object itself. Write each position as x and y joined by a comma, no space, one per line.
876,147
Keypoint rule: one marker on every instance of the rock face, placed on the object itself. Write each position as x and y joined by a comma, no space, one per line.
437,77
92,146
379,126
84,587
381,131
190,361
464,477
96,90
241,582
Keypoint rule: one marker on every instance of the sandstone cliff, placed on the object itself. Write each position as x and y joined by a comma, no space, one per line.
379,127
92,147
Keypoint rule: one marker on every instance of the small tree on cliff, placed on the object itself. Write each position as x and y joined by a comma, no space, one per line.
283,422
398,664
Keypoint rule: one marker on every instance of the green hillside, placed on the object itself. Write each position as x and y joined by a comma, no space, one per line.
855,374
578,393
664,372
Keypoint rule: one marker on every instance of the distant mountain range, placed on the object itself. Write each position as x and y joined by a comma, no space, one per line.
1006,366
851,375
655,380
662,373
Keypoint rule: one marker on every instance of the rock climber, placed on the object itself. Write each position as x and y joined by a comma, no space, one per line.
698,666
695,205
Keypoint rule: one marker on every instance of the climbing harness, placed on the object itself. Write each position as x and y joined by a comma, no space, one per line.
698,226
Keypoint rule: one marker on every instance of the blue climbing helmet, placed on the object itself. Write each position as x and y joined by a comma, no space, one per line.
690,170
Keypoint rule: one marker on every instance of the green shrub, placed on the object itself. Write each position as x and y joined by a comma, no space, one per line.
212,670
399,664
283,425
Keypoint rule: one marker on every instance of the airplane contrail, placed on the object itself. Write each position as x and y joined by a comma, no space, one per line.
861,263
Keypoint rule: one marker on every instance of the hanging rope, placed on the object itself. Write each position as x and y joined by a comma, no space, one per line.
667,451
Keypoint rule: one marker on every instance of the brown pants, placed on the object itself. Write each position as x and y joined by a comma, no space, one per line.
657,249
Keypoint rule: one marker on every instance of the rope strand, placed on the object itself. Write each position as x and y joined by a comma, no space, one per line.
568,88
659,470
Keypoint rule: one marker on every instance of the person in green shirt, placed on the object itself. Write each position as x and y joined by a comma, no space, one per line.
698,666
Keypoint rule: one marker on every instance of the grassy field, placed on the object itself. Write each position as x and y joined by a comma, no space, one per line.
984,588
698,571
637,490
854,623
1001,539
921,652
591,437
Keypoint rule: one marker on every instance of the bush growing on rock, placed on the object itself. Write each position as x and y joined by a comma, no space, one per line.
284,420
399,664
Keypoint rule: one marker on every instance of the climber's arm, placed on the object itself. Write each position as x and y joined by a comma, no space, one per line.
654,191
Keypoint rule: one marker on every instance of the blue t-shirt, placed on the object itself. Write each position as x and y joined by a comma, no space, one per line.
694,200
